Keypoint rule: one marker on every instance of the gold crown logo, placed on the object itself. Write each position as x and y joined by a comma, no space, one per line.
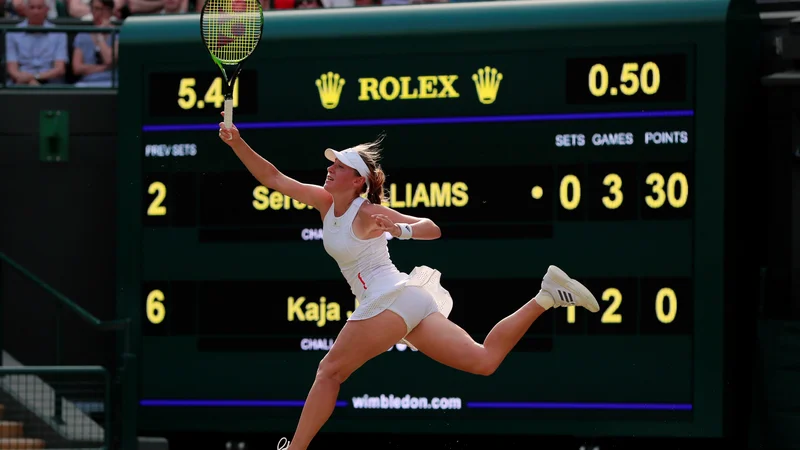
487,82
329,86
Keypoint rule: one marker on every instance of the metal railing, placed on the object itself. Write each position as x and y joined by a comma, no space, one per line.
71,29
56,407
126,363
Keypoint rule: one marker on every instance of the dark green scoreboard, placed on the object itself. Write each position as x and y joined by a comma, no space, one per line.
591,135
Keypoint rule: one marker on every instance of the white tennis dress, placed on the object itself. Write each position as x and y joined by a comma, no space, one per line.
368,269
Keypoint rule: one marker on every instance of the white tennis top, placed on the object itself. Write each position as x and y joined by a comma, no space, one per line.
365,264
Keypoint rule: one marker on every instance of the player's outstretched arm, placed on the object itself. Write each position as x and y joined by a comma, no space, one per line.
269,175
388,219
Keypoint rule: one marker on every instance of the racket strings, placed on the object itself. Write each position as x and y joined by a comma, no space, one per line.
232,28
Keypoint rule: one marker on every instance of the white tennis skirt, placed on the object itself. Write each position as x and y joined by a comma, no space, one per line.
422,276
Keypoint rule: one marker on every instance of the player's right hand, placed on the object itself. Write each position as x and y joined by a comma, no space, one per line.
228,135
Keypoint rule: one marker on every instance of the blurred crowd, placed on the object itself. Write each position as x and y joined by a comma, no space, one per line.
88,59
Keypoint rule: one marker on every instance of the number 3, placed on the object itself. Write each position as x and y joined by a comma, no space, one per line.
615,182
657,181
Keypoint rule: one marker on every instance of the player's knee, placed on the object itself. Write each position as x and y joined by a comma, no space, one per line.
332,371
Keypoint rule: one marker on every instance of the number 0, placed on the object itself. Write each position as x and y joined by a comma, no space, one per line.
156,208
669,295
566,201
650,87
598,90
678,179
154,307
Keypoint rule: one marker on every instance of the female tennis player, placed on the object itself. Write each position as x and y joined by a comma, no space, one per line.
393,306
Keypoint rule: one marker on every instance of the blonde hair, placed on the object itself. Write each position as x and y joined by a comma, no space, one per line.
370,152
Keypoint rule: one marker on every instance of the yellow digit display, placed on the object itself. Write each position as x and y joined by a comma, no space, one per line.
665,306
213,97
672,190
154,307
676,182
666,313
570,201
158,189
610,315
614,182
633,79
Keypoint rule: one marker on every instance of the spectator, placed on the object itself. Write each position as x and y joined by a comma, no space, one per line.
175,6
93,58
125,8
35,57
20,8
307,4
338,3
82,9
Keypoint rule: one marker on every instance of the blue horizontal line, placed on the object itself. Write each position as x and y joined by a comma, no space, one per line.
562,405
484,405
231,403
425,120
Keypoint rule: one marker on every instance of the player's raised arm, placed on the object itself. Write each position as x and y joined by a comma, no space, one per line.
269,175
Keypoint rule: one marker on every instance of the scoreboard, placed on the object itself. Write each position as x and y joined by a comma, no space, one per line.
590,135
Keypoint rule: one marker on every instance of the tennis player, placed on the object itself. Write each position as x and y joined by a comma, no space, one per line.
393,306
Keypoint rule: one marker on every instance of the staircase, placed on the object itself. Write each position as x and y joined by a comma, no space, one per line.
12,435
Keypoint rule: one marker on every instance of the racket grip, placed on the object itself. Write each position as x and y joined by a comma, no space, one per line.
228,112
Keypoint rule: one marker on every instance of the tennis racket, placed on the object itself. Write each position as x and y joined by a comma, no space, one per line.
231,31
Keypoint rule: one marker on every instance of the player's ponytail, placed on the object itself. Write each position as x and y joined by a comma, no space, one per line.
376,179
371,153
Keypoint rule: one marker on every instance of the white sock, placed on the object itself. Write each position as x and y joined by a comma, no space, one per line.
544,299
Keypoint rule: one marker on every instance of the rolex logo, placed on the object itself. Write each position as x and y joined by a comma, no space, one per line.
487,82
329,86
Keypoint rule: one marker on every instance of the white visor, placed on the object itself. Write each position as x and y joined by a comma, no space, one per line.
350,158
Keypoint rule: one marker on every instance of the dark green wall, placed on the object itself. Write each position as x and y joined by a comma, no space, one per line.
57,220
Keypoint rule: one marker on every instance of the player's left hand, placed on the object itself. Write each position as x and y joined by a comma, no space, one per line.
385,224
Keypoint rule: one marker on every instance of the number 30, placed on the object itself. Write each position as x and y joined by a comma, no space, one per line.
676,181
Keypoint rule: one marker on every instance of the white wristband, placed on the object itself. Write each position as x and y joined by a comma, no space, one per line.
405,231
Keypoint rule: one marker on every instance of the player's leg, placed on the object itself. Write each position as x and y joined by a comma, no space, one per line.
444,341
358,342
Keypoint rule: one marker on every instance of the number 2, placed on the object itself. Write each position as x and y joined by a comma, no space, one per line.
156,208
610,315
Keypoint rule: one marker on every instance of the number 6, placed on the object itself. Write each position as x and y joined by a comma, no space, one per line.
154,307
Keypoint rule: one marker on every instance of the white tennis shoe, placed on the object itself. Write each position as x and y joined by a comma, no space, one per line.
566,291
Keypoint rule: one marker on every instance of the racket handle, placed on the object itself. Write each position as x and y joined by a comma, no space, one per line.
228,112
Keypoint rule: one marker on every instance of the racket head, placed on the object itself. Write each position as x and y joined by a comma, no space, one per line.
231,29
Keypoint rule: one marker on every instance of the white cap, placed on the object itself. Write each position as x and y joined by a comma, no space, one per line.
350,158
